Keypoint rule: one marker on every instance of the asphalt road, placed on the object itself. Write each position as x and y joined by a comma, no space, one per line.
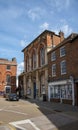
26,115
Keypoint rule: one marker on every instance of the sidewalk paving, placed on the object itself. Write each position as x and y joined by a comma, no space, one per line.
57,107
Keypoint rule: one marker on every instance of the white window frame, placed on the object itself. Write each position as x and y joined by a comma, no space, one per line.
63,67
53,56
53,70
62,51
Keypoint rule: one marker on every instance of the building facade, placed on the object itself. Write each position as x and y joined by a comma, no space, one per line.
63,71
20,89
36,64
8,70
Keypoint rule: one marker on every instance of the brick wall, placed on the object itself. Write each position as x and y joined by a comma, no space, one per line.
71,58
4,72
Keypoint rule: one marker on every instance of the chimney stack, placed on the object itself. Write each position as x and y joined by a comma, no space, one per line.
61,34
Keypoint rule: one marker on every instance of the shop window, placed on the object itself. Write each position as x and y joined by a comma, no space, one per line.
55,92
66,92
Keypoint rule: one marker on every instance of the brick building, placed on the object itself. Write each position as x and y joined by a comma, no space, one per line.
35,63
8,71
63,71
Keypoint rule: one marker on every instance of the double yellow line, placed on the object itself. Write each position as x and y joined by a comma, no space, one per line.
11,127
7,125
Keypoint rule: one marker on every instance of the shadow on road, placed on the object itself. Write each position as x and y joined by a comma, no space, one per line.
57,115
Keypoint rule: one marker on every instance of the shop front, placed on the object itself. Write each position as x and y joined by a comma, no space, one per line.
61,91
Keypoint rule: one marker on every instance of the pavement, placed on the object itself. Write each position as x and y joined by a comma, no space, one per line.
63,117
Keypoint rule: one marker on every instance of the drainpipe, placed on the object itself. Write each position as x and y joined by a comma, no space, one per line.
72,82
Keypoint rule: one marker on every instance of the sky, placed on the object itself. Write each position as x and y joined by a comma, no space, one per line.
21,21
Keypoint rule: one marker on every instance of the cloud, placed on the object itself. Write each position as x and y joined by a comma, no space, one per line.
35,13
23,43
44,26
66,29
62,4
58,4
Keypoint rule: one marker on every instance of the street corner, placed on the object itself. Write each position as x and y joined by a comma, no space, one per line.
6,126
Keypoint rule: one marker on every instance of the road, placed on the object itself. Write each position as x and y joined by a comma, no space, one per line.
26,115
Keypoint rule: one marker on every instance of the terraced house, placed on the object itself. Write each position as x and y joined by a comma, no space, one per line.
36,64
63,71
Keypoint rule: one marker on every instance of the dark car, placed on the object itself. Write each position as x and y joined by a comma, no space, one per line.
12,97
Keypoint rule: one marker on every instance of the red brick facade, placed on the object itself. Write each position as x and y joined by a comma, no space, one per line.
8,71
62,82
35,63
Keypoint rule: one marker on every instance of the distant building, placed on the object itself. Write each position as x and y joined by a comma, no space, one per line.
8,70
20,89
63,71
36,63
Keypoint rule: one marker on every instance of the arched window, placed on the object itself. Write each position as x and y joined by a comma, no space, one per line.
34,60
28,67
8,79
42,56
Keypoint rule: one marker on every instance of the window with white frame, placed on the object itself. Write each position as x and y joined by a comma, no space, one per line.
63,67
53,70
53,56
62,51
42,56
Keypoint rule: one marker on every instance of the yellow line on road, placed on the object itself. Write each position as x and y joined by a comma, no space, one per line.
11,127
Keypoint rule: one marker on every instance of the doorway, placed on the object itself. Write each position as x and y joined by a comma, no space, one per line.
34,94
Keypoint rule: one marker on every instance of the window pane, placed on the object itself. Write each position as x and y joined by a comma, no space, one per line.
8,67
63,67
53,56
54,70
62,51
42,56
34,61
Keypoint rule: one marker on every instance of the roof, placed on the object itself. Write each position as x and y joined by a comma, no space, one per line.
70,38
46,31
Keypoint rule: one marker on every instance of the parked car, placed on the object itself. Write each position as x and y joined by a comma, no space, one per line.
12,97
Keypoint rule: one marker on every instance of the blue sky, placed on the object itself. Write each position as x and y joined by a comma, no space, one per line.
23,20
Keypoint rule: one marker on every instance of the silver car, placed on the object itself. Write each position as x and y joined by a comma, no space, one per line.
12,97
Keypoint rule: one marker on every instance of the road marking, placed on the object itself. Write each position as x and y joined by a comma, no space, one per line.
22,122
16,112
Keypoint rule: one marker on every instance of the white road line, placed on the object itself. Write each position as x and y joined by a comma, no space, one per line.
16,112
22,122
